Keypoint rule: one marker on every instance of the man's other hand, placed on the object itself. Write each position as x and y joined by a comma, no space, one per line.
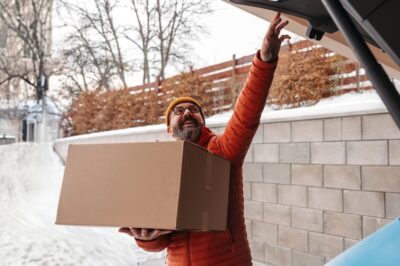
272,41
144,233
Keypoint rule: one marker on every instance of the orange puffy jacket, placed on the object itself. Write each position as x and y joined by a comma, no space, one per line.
229,247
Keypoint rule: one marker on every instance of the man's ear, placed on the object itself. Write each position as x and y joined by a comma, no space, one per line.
169,130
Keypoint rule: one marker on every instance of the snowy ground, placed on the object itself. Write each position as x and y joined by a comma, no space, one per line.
30,181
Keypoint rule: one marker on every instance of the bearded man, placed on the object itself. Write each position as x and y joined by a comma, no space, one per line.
185,121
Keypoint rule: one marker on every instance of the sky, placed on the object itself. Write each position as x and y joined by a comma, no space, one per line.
230,31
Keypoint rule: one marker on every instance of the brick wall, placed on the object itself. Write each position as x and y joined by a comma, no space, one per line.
313,186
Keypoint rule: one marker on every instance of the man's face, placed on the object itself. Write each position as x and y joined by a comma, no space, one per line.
186,122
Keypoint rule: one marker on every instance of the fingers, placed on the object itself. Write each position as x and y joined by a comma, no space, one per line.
280,27
284,37
125,230
277,15
143,233
163,232
272,27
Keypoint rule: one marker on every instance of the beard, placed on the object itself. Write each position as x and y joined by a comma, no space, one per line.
191,133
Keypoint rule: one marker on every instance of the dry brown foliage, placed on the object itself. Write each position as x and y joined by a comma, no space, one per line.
303,77
107,110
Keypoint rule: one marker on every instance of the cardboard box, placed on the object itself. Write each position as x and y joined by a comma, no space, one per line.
164,185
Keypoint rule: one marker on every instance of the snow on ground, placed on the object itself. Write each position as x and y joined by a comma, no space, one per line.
30,182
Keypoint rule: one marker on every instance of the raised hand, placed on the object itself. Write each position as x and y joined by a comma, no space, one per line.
272,41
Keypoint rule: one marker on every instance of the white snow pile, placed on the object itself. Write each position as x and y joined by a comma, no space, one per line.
30,182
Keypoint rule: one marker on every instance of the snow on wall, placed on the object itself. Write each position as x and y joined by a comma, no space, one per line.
367,102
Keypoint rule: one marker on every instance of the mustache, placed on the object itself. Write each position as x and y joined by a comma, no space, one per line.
188,118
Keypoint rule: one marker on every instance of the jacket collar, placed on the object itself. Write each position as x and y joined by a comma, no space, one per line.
205,136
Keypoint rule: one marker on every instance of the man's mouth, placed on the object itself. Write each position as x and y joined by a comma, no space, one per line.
188,123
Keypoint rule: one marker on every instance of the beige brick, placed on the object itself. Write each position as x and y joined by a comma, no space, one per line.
306,259
394,152
311,130
308,219
293,238
249,158
348,243
249,227
364,203
277,214
292,195
341,224
309,175
276,173
367,153
351,128
253,210
252,172
295,153
371,224
379,127
259,136
277,132
265,232
332,129
264,192
392,205
381,178
247,190
325,199
325,245
278,255
328,153
266,153
337,176
258,263
257,250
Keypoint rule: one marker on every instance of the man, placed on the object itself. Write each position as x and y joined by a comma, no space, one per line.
185,121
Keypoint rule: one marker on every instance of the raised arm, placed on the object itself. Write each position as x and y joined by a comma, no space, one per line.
242,126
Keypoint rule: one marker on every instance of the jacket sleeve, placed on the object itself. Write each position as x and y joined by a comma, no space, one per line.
242,126
155,245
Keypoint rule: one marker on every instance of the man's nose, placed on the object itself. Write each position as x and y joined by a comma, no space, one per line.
187,112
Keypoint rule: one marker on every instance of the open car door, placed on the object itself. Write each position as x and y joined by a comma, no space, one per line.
362,30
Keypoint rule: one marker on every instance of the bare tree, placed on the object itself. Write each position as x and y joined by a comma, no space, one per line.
145,31
27,57
164,30
94,52
98,53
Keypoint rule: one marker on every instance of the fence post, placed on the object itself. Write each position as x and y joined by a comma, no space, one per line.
358,78
233,81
